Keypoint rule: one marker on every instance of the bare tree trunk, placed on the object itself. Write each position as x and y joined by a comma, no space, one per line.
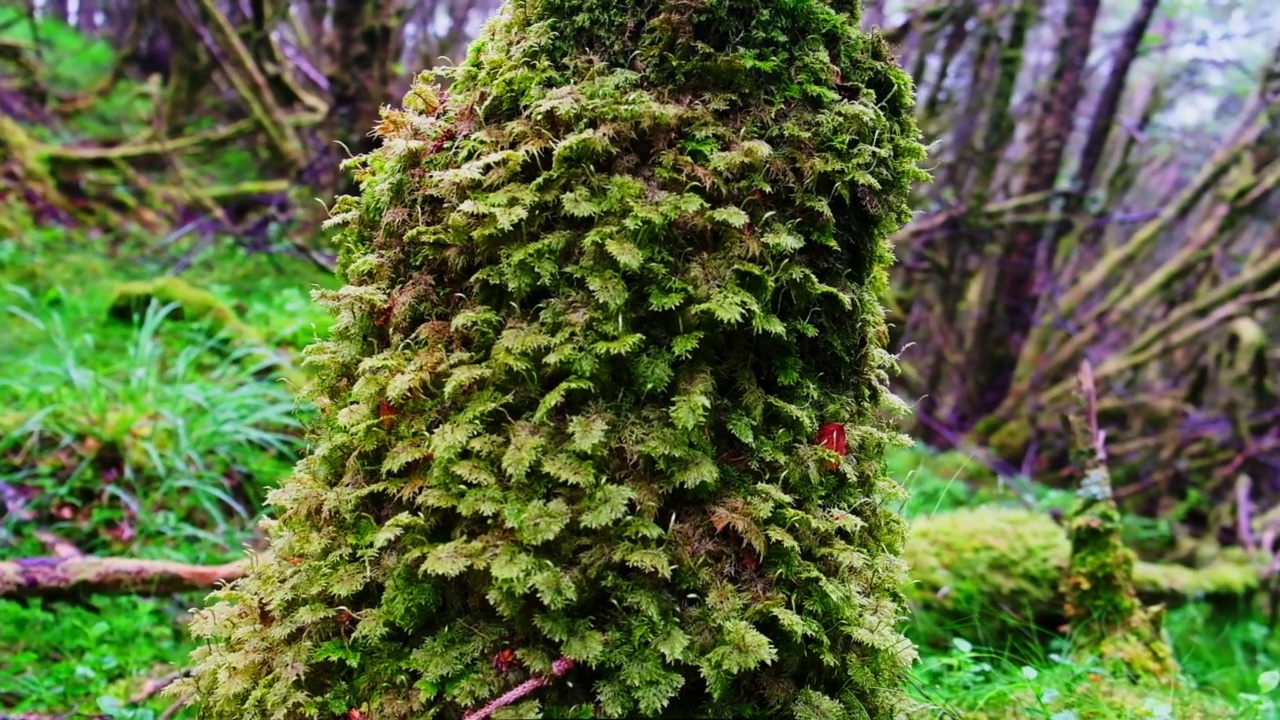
87,22
1104,116
1012,308
59,10
873,14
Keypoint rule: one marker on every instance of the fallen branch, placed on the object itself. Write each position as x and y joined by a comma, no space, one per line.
153,687
59,576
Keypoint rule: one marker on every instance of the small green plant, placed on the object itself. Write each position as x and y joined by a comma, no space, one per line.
1262,704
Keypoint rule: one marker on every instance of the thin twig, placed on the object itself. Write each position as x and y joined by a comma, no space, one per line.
558,668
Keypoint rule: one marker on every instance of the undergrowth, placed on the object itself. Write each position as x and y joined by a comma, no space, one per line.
89,658
1230,656
94,655
153,439
145,444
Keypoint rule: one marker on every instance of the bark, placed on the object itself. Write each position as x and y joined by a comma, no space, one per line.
1012,309
367,37
227,49
59,9
1104,115
87,20
873,14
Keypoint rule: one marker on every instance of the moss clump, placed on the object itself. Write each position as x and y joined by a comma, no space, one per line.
1107,617
190,303
1108,620
992,573
986,573
600,298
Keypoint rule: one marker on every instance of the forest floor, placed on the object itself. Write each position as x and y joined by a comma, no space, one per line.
156,437
156,434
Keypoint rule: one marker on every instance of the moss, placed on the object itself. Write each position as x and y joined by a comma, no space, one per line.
1107,618
1102,604
994,573
191,303
987,573
194,304
1231,574
1009,440
601,296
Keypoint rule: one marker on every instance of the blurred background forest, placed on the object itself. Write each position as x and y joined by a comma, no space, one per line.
1106,188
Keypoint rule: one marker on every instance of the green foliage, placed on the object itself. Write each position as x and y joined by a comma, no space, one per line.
995,575
142,443
600,296
92,56
941,481
87,657
70,63
979,684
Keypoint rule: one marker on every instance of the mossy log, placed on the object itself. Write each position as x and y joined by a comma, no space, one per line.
194,304
190,303
998,572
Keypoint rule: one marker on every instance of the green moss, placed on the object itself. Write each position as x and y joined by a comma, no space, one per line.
1009,440
1107,618
996,573
1228,575
987,573
131,299
600,298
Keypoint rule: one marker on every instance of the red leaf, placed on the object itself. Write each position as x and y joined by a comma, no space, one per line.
504,660
387,413
831,437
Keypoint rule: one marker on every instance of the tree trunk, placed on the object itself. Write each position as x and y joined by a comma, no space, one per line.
367,38
1008,317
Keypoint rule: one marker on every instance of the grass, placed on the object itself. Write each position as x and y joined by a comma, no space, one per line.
144,443
89,658
146,438
152,438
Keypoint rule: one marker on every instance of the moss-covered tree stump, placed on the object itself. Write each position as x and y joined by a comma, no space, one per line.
606,384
